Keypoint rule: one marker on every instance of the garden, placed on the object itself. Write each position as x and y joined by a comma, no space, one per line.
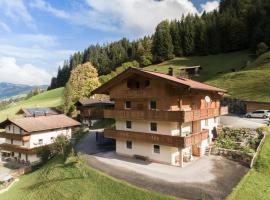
240,145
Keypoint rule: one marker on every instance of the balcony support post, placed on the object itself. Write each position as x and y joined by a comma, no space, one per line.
181,160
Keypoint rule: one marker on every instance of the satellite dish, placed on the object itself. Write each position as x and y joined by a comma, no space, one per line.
207,99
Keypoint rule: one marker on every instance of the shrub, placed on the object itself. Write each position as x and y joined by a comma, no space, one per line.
261,48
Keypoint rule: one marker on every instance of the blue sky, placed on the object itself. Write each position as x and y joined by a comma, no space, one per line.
37,35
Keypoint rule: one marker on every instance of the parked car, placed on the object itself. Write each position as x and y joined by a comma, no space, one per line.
259,113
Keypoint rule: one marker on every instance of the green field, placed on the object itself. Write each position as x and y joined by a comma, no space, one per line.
72,179
256,184
52,98
251,79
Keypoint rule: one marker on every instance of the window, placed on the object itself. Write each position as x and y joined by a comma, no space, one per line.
40,141
206,122
128,124
128,105
21,131
22,143
9,128
156,148
146,83
215,120
153,105
137,84
11,141
153,126
20,155
129,145
52,139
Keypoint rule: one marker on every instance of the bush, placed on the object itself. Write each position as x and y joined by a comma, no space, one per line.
261,48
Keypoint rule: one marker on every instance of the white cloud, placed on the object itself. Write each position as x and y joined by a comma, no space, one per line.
11,72
17,10
38,39
4,27
132,17
210,6
42,5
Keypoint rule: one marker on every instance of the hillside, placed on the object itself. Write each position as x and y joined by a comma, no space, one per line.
249,81
72,179
50,98
9,89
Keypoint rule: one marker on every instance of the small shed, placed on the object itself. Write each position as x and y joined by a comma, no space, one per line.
256,105
192,70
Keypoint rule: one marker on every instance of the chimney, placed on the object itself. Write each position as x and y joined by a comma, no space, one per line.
170,71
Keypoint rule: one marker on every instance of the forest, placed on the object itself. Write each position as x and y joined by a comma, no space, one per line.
236,25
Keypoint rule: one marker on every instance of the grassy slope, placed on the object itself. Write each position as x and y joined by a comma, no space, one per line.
252,82
256,184
50,98
71,179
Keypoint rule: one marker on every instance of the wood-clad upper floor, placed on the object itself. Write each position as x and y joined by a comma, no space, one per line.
18,148
168,140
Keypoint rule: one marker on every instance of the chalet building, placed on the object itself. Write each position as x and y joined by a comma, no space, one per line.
91,110
24,136
161,117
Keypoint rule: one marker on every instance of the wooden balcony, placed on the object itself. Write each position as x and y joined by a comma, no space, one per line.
144,115
167,140
92,113
17,148
13,136
160,115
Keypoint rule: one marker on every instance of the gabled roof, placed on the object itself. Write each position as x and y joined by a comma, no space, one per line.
170,79
93,102
41,123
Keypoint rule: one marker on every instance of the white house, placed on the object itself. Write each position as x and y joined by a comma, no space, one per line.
23,136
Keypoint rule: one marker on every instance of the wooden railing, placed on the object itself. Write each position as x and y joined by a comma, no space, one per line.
17,148
22,137
160,115
167,140
92,112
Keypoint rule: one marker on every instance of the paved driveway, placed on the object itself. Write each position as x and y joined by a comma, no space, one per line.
212,177
235,121
88,144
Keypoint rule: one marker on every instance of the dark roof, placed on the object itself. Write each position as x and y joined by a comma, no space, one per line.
41,123
38,111
171,79
93,102
252,101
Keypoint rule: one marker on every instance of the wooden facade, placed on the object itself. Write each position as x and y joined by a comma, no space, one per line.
256,105
18,148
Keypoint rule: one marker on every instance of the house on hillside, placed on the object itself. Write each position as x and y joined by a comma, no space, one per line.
161,117
191,71
24,136
38,111
91,110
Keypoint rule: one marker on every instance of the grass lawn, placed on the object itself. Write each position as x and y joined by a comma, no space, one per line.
72,179
250,83
211,64
50,98
256,184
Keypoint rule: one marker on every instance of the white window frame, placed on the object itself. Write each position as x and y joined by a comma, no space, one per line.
130,125
156,127
126,105
154,148
131,144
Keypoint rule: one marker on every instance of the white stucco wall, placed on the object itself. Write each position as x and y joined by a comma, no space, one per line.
46,137
212,122
166,155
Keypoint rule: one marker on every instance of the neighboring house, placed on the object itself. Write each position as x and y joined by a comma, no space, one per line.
91,110
191,71
160,117
24,136
256,105
32,112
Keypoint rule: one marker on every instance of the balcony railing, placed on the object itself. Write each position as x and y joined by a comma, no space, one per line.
17,148
160,115
92,113
167,140
13,136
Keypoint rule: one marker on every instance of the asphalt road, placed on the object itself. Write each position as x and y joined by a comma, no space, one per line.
235,121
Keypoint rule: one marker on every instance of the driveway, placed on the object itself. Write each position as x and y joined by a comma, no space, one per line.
235,121
88,144
212,177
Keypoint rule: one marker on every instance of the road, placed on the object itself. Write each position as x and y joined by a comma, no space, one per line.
235,121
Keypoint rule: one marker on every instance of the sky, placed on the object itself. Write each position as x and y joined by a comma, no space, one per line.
36,36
